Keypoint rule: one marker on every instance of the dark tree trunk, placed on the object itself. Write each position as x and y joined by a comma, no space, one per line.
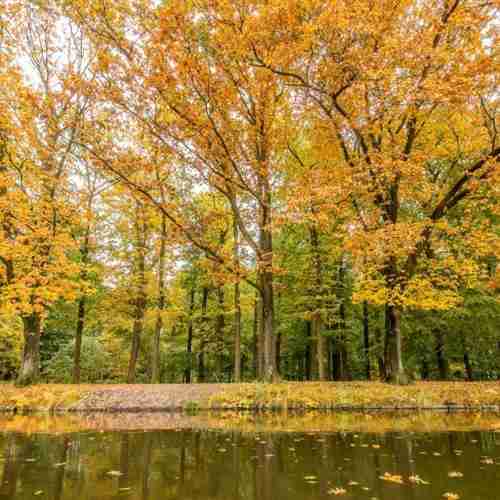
155,365
270,369
442,361
80,323
255,343
265,279
203,332
308,354
317,322
262,339
380,355
366,339
140,293
393,359
425,369
237,310
29,372
78,340
469,373
220,325
340,358
189,343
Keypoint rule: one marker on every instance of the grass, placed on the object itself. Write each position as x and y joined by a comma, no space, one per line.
254,396
358,395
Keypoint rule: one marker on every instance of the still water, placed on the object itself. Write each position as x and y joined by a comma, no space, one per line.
266,462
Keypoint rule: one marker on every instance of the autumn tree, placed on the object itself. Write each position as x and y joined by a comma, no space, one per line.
401,97
40,124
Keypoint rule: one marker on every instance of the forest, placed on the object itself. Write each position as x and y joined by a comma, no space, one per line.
240,190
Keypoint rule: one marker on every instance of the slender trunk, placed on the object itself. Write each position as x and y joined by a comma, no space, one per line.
341,365
256,338
29,372
155,368
469,373
380,352
140,294
262,340
80,324
270,369
237,310
189,343
442,362
317,323
425,369
78,340
366,339
320,347
203,332
393,359
220,325
308,353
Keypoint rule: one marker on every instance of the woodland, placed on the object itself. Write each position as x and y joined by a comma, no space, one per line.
239,190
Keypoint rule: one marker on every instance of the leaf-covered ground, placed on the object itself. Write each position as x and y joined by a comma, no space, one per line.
252,396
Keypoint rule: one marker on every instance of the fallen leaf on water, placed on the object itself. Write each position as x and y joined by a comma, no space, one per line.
337,491
310,478
392,478
115,473
454,473
38,493
417,480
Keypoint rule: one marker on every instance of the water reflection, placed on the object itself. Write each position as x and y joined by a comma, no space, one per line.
217,464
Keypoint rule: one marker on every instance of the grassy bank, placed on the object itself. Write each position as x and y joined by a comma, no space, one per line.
252,396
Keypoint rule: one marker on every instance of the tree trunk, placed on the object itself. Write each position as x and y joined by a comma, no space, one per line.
78,340
270,370
380,354
469,373
317,323
237,310
256,339
140,293
366,339
29,372
80,324
442,362
155,365
424,369
203,332
320,347
189,343
265,279
308,356
341,365
220,325
393,359
262,339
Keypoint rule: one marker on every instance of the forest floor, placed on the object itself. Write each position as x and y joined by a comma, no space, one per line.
251,396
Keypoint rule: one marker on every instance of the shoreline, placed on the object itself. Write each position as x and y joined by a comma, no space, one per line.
253,397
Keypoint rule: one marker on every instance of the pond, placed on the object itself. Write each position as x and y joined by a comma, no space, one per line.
248,457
